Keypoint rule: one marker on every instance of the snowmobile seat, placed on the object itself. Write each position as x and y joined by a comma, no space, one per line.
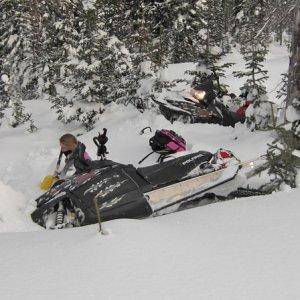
174,170
100,164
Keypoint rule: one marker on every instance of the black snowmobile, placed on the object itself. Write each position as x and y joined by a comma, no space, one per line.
202,104
123,191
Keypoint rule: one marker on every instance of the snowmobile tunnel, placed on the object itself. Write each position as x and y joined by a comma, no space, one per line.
173,170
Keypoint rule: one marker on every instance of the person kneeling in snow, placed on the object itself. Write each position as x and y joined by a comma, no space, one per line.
75,154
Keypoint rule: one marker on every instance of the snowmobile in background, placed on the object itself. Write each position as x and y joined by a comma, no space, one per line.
203,104
123,191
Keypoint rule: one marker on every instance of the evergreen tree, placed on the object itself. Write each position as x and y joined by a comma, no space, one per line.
4,99
186,27
254,47
212,45
283,86
138,43
293,92
127,21
216,24
280,18
229,11
19,116
19,44
20,57
284,163
91,74
60,48
161,40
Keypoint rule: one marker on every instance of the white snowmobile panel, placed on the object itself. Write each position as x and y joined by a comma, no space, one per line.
170,195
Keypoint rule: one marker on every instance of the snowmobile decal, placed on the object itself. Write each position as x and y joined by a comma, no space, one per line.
84,178
98,185
110,188
111,203
57,195
192,159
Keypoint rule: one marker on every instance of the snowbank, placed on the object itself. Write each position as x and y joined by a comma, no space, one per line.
240,249
12,206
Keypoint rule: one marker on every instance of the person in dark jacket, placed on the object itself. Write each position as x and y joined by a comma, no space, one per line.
75,155
75,152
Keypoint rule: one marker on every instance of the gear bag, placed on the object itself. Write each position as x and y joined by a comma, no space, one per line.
165,142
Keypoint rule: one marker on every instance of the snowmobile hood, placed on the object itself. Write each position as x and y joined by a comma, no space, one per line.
70,185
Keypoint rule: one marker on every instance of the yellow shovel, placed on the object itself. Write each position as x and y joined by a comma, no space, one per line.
49,180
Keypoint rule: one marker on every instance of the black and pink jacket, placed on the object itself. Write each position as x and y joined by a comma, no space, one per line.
82,161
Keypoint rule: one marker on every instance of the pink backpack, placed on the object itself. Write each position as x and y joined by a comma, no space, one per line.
166,142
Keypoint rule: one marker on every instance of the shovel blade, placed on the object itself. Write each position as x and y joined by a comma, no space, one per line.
47,182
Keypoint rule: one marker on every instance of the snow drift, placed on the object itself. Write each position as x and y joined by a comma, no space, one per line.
239,249
12,206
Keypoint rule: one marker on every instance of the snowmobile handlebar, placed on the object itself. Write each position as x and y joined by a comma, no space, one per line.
144,129
100,142
101,139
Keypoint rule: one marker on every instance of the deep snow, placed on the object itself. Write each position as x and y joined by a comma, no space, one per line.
240,249
26,157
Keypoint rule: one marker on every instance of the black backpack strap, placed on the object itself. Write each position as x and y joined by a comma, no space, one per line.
146,157
163,156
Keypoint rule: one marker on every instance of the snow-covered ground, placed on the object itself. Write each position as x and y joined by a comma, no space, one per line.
241,249
26,157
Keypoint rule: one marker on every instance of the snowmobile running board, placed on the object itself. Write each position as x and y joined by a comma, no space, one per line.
196,187
183,191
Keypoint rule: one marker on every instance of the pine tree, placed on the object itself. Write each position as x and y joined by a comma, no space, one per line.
20,54
283,86
259,115
93,66
229,12
186,26
254,48
161,35
212,45
139,45
127,21
293,93
20,46
4,99
19,116
60,47
4,80
280,157
284,164
280,18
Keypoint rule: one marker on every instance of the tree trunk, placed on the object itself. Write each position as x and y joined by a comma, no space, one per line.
294,67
